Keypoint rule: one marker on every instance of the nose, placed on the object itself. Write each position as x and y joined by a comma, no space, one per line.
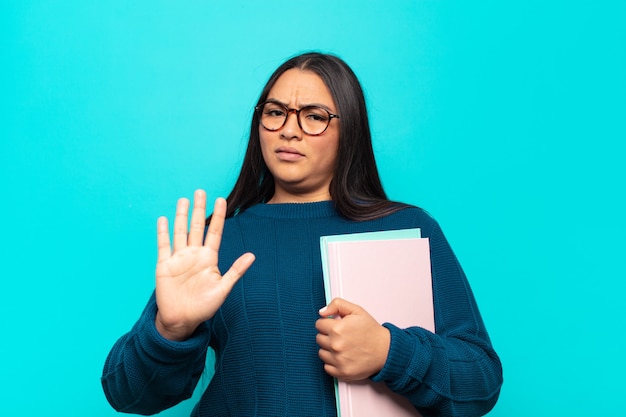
291,128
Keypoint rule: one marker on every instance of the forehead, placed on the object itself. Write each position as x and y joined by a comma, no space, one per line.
297,88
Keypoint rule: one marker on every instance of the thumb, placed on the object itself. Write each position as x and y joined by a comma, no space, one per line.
238,268
338,307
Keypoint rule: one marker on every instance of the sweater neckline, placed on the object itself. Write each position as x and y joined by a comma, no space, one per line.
315,210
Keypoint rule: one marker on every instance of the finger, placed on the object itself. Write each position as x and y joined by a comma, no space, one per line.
196,228
216,226
163,240
325,325
332,370
238,268
323,341
327,357
180,224
338,307
328,311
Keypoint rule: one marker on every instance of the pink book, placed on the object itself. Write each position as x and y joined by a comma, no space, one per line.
388,274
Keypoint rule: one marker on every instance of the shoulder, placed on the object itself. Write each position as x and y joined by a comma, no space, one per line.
411,216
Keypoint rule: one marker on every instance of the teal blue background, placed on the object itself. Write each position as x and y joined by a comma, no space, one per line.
505,120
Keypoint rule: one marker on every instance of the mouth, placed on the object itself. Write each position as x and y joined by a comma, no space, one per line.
288,154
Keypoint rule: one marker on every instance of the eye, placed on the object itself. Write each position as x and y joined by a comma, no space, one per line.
315,114
273,110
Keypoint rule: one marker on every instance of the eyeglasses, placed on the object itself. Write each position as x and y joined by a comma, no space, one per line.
313,120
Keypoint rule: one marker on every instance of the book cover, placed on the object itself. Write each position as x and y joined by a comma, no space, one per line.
389,275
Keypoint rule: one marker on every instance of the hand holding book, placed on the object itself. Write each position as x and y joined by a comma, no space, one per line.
353,345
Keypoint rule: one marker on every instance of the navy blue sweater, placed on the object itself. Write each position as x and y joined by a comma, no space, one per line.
264,334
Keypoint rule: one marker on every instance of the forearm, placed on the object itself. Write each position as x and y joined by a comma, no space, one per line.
146,373
454,371
442,376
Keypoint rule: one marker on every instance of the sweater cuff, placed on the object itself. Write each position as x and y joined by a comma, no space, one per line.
408,358
166,351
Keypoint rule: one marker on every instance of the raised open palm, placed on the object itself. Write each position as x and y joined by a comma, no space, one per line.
189,285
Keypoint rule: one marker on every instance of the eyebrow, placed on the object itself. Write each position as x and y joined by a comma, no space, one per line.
323,106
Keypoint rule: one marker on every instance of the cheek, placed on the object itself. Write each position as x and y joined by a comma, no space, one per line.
332,151
262,137
264,143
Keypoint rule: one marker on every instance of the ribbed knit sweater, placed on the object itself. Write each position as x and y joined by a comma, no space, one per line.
263,336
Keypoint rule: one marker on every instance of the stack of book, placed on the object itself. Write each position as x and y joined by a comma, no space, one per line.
388,274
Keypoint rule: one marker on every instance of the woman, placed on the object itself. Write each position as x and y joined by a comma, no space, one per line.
309,171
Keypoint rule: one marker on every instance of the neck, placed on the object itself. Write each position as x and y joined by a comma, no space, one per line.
281,197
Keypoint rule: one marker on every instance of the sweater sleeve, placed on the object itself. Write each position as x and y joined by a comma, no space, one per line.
146,373
454,372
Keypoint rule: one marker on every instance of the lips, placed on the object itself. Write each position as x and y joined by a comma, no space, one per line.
288,154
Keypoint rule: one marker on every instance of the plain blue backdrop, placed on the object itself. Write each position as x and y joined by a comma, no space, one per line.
505,120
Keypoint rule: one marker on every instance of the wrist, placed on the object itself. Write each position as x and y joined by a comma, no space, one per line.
383,346
176,333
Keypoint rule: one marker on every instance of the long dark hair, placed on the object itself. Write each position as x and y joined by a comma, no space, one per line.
355,189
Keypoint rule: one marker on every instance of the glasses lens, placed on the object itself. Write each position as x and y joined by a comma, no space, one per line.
314,120
273,116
